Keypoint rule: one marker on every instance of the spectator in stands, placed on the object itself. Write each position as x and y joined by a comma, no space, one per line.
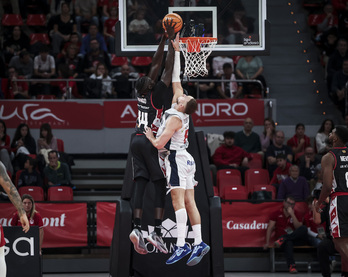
63,89
63,25
299,141
22,145
44,68
289,230
15,44
281,172
34,217
338,87
46,140
230,156
56,7
229,89
250,68
74,40
276,148
95,56
294,185
5,148
23,64
57,173
322,136
308,163
248,140
316,232
109,29
92,35
268,135
330,20
207,90
72,60
328,45
4,7
139,29
86,12
101,72
30,176
335,62
237,27
218,63
12,88
123,87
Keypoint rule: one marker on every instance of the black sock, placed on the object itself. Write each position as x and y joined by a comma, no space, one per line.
137,223
158,226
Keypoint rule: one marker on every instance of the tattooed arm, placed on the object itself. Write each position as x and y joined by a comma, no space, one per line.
13,194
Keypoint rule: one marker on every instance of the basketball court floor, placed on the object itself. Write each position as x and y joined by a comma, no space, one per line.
227,274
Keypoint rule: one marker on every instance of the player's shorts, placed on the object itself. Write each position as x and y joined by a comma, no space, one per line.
2,237
180,170
339,215
145,159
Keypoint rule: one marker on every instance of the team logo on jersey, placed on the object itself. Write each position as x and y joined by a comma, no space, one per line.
344,158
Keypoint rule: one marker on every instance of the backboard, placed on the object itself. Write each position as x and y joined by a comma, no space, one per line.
240,26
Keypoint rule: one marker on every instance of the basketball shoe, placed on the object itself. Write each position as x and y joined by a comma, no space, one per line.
292,269
197,254
178,254
279,242
157,241
137,239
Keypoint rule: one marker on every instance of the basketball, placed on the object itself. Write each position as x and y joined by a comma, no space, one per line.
174,18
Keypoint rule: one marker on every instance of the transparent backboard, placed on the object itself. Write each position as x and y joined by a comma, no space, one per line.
240,26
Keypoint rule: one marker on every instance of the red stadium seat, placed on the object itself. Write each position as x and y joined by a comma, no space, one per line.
141,61
315,19
256,162
60,193
60,144
118,61
256,177
36,20
269,188
235,192
36,192
12,20
226,177
38,37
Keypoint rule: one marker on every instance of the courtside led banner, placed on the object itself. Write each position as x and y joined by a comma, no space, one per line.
121,114
65,225
244,224
105,222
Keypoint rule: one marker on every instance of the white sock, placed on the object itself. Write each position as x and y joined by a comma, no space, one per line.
197,233
181,219
2,262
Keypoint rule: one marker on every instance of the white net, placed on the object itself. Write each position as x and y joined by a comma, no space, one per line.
196,51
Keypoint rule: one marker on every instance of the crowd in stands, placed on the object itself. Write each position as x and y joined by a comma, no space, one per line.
55,39
34,162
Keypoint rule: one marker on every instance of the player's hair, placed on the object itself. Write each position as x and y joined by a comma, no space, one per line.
342,134
143,85
33,210
229,134
191,106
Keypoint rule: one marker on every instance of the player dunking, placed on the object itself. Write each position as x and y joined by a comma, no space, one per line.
146,165
180,166
12,193
335,184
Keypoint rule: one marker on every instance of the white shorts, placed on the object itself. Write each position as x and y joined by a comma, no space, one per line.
180,170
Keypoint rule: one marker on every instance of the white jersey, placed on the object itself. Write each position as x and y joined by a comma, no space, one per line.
179,139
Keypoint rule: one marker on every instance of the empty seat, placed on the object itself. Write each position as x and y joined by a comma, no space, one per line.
268,188
36,192
235,192
255,163
12,20
36,20
39,37
141,61
118,61
60,193
60,145
225,177
256,177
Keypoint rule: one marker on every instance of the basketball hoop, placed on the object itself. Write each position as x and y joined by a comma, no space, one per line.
196,51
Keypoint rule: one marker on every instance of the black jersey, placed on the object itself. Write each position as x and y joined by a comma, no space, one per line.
340,171
150,109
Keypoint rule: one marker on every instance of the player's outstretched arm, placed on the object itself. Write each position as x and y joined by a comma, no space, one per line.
177,88
168,68
13,194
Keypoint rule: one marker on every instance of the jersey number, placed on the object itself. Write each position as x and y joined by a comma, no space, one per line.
142,117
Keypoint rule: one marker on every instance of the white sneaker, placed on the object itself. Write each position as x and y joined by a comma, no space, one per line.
137,239
157,241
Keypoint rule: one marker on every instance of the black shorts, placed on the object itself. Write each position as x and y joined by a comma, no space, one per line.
339,216
145,159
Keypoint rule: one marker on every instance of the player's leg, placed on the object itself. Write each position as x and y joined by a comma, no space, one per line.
341,245
2,262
